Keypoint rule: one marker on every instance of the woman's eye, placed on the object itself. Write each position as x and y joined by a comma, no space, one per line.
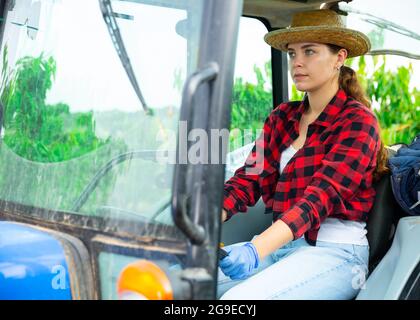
309,52
291,54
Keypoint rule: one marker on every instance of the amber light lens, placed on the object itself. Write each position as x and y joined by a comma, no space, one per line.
146,280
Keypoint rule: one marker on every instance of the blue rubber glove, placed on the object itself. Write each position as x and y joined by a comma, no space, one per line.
240,262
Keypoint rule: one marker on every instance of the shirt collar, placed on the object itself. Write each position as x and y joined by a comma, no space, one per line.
327,115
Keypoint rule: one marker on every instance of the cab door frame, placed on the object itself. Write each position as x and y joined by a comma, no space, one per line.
198,188
210,103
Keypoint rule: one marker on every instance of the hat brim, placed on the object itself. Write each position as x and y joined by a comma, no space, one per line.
355,42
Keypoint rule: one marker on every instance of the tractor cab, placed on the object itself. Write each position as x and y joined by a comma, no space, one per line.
120,121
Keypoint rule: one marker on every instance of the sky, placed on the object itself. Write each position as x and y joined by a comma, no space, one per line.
89,72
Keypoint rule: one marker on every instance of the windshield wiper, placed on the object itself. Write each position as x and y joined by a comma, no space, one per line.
109,17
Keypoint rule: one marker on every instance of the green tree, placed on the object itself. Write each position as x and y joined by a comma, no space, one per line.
34,129
44,133
251,103
395,104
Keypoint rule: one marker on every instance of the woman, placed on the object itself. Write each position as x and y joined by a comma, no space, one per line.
314,166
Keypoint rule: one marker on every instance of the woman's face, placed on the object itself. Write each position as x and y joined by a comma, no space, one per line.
313,66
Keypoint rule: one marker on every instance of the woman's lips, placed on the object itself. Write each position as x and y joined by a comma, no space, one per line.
299,76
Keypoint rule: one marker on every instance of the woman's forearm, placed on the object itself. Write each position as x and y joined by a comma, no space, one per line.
274,237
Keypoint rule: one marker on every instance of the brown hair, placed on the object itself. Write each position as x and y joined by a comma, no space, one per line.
349,83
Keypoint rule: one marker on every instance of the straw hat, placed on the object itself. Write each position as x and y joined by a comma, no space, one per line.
321,26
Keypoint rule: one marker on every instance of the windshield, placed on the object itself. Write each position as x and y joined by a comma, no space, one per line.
75,134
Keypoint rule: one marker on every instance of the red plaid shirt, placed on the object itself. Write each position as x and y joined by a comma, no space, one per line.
330,176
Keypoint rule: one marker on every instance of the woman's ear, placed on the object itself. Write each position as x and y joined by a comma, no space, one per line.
341,57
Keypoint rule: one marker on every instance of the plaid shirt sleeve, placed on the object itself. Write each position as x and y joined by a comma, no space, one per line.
244,189
344,169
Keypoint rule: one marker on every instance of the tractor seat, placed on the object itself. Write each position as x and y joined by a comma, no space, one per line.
382,221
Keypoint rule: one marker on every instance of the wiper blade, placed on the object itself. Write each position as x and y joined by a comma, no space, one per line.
109,17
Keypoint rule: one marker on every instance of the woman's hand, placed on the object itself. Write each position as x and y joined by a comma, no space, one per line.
240,262
224,215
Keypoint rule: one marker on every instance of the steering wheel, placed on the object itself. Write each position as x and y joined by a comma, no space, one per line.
91,186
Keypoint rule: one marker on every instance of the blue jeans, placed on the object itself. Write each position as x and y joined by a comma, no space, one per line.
300,271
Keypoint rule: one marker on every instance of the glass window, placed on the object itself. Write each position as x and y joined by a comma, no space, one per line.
391,75
75,134
252,99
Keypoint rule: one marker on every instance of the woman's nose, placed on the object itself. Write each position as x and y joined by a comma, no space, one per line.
297,61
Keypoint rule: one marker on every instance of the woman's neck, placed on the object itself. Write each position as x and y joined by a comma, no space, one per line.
319,99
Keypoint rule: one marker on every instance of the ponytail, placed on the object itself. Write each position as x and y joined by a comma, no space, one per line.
351,86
